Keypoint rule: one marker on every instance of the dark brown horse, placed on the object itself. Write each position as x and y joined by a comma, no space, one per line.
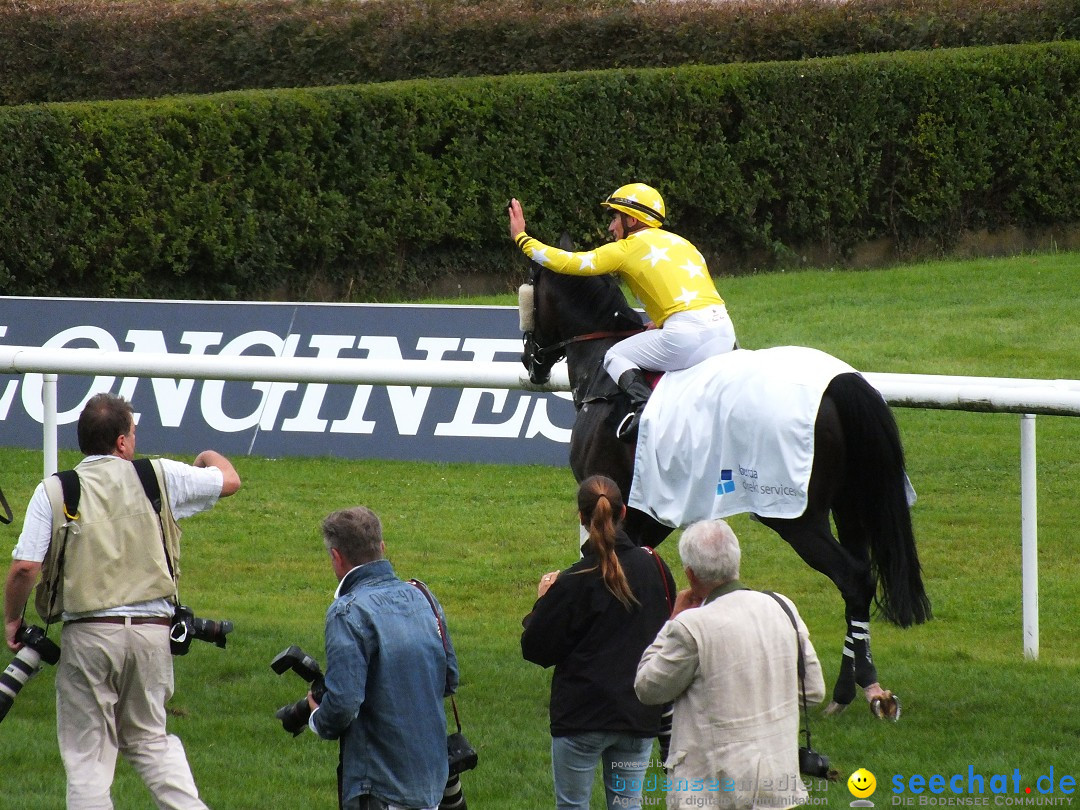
857,476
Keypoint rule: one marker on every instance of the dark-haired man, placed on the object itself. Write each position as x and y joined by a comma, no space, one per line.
109,573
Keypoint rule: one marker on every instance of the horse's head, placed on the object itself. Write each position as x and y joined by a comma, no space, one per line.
556,310
537,356
542,323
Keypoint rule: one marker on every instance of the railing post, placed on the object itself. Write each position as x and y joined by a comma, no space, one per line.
1029,536
48,423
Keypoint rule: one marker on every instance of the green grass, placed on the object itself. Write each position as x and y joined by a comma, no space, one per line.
480,535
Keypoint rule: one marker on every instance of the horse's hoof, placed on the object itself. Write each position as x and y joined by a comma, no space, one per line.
835,708
886,706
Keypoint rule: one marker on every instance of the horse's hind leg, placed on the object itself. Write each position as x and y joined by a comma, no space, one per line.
812,538
857,668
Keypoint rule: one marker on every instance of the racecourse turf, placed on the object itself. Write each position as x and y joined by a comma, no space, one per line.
481,535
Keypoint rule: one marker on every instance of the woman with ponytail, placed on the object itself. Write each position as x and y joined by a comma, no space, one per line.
592,622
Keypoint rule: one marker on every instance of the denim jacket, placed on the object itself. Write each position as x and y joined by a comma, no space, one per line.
386,677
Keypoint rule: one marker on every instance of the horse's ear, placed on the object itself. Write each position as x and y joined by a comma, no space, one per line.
565,242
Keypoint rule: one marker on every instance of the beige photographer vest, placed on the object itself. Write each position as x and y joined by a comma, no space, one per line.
118,551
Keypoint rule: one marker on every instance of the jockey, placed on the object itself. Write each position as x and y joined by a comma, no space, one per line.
670,279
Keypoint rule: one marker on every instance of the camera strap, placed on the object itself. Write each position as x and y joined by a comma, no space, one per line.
72,491
144,468
660,567
6,516
420,586
801,663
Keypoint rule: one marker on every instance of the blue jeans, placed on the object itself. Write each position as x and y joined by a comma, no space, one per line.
573,766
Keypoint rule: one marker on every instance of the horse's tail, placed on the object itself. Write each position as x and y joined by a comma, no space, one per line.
876,497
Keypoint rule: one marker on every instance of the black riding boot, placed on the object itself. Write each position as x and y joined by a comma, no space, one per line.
632,382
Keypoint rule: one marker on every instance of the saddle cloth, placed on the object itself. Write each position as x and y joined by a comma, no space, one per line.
733,434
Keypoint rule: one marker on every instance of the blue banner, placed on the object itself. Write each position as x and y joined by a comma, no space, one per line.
289,419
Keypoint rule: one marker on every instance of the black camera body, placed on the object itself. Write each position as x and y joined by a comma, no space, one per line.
185,627
26,664
811,763
294,717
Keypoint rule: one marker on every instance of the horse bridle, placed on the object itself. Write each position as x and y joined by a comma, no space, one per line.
539,359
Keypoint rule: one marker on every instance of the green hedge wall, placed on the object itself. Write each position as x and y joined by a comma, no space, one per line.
81,50
365,192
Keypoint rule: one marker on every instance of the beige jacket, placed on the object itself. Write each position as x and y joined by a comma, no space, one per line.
730,666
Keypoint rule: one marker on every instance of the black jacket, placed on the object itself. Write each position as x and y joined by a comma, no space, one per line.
595,643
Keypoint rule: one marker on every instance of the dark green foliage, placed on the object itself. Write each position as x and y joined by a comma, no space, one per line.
371,192
77,50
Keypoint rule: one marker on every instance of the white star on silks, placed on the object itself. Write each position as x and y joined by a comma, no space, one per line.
539,255
674,238
588,260
656,255
693,269
687,296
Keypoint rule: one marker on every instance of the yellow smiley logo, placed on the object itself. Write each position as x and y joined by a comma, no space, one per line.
862,783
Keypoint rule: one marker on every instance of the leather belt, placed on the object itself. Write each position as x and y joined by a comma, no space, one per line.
162,620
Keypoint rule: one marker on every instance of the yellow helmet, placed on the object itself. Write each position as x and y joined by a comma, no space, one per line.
640,201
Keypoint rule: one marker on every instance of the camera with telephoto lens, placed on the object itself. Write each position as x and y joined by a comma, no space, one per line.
294,717
26,664
811,763
185,627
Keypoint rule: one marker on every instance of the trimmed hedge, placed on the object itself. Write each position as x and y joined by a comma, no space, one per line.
79,50
364,192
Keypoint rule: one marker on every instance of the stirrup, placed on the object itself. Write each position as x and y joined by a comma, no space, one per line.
628,427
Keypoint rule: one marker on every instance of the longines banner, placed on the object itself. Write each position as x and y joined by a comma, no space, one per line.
289,419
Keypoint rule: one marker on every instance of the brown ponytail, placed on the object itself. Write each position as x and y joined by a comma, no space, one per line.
601,506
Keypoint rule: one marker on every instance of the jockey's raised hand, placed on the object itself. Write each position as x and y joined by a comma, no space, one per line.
517,218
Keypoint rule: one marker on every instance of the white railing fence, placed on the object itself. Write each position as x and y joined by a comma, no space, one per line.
982,394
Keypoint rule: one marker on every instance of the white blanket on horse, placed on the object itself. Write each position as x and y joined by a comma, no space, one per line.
733,434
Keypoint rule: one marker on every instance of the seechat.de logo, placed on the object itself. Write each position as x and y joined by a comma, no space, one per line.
862,785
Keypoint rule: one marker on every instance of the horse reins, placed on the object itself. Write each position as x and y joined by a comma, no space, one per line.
541,350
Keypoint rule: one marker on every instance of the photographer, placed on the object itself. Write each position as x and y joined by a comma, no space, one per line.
109,572
728,657
387,672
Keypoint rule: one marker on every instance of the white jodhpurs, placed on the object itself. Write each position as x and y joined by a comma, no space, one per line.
685,339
